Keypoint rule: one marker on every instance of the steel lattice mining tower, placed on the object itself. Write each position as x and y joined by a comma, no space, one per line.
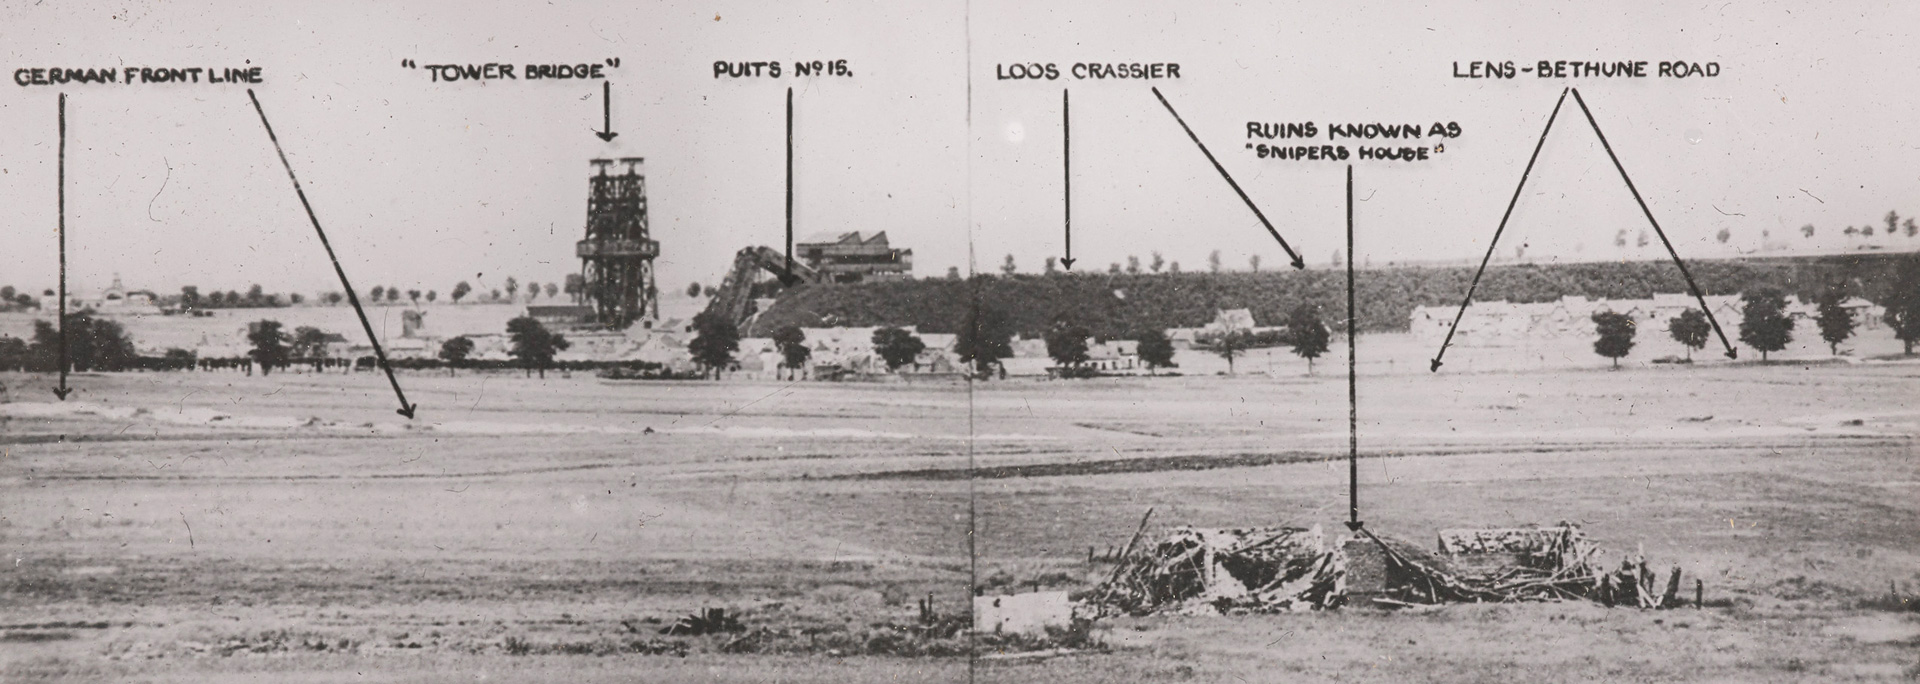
616,258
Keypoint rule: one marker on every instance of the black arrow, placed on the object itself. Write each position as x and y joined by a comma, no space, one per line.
1297,261
63,390
788,278
1066,165
606,112
1691,286
1353,385
405,409
1496,233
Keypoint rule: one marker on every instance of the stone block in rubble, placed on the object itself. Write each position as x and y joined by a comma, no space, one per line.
1029,613
1366,570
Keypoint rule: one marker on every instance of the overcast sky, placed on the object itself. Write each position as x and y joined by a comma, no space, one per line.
423,184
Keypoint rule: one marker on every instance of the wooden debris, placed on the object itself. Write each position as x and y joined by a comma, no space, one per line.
707,621
1226,570
1535,564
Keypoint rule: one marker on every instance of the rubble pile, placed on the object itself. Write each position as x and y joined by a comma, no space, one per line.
1272,569
1519,564
1247,570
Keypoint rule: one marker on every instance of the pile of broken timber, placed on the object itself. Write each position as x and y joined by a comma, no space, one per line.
1519,564
1247,570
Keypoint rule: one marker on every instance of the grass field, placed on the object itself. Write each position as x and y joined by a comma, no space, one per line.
219,527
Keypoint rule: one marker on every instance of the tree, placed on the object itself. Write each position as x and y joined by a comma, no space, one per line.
309,343
513,287
377,292
715,340
1133,265
413,296
460,291
334,298
953,273
533,292
1806,230
1723,236
1903,303
393,294
1067,343
985,337
1253,262
794,352
1616,335
552,290
1307,334
216,299
1114,268
256,295
269,345
1764,324
14,354
897,347
295,298
6,294
533,344
1893,223
455,352
1231,345
189,296
1173,267
1911,228
1690,329
1213,261
1052,266
432,295
1154,349
693,289
93,344
1158,262
1836,323
494,295
576,287
1008,266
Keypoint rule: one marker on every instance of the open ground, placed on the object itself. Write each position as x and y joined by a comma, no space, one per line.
219,527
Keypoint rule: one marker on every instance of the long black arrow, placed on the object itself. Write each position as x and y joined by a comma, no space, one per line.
1066,166
405,409
1496,233
1691,286
606,112
63,390
1297,261
789,278
1353,385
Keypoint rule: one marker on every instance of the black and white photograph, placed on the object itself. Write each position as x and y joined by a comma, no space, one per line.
843,341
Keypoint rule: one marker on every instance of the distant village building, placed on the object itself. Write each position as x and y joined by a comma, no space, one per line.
846,351
1224,321
117,299
851,257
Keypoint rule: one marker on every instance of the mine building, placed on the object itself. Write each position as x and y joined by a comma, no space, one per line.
852,257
